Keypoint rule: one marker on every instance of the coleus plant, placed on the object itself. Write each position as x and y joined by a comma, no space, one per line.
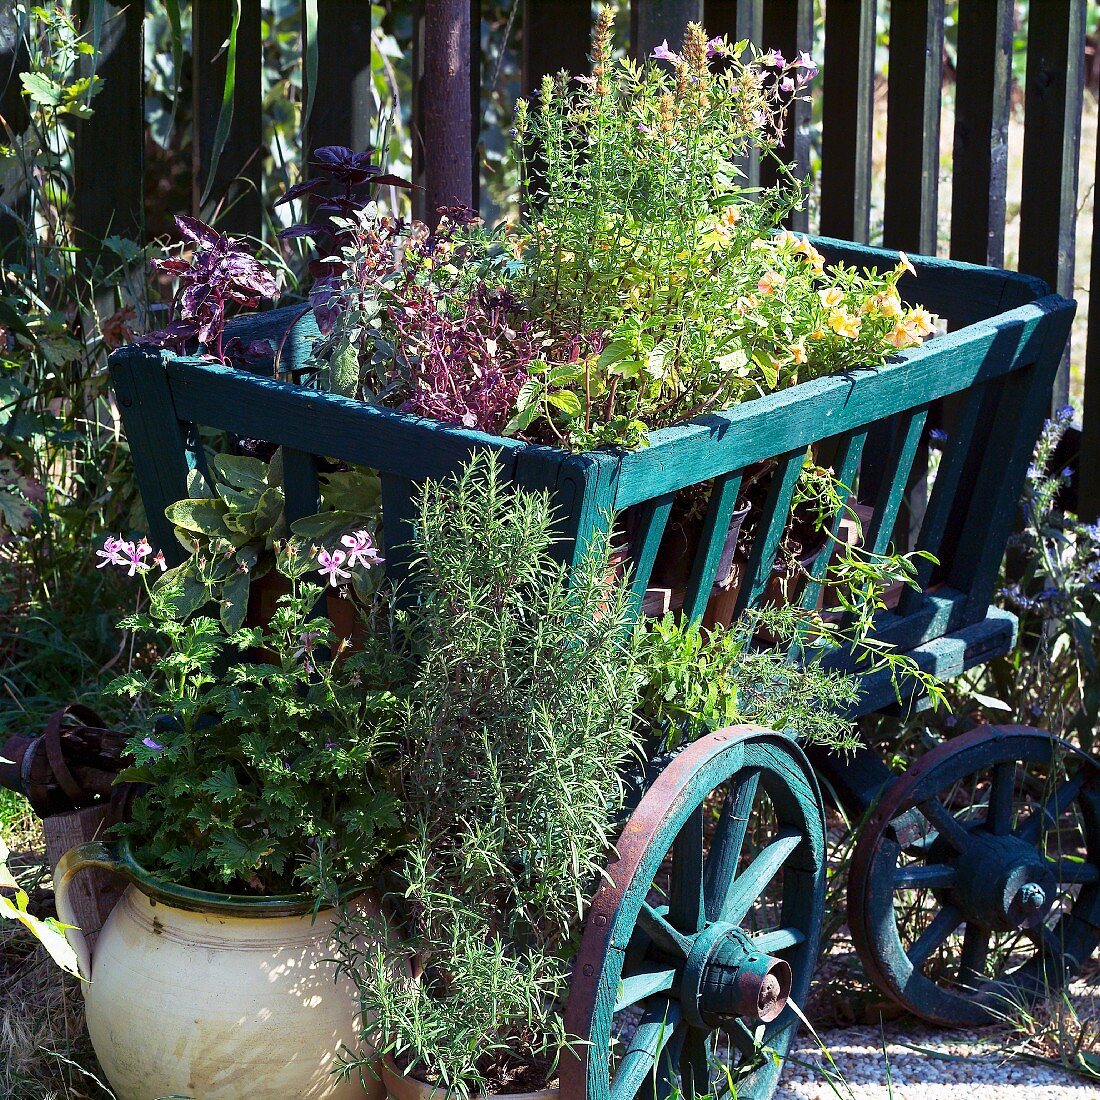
219,272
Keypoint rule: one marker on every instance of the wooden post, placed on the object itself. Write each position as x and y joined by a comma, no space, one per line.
739,20
654,21
983,78
94,893
847,116
913,135
445,147
234,191
1053,99
342,111
109,159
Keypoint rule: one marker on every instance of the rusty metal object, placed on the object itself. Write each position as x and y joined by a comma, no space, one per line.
71,765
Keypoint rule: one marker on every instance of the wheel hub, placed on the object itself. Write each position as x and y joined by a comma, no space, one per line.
726,979
1003,883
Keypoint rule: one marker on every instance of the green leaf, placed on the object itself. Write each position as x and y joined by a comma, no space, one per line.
241,472
567,401
222,785
234,606
204,517
522,420
40,89
615,353
343,370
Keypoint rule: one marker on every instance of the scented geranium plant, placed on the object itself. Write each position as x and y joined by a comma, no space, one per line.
260,778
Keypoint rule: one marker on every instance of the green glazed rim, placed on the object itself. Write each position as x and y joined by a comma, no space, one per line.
117,857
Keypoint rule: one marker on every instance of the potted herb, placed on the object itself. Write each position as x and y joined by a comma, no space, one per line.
515,734
257,783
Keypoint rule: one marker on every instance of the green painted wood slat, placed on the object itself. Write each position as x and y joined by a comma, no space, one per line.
888,500
300,487
652,520
716,525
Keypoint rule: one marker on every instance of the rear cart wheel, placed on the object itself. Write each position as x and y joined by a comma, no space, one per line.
705,927
976,882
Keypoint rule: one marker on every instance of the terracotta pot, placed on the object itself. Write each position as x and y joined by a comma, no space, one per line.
210,995
263,600
399,1086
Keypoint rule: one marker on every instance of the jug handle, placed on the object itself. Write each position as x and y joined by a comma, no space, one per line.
93,855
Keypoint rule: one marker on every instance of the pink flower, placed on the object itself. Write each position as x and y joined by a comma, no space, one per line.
159,560
715,48
361,549
663,53
111,552
804,61
330,566
134,557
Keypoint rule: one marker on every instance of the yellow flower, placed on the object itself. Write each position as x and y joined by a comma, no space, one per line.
817,334
832,297
813,257
730,216
921,322
844,324
798,352
786,239
900,336
889,304
770,282
905,265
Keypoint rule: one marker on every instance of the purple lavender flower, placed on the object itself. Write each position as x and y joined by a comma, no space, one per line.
716,47
663,53
149,743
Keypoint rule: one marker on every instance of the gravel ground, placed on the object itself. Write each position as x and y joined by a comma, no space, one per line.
944,1066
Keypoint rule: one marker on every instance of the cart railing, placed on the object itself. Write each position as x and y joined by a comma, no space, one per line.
991,375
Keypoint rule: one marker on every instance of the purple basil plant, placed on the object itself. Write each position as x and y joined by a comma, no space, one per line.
219,273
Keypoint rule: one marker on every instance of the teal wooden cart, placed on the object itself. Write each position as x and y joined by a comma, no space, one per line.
707,923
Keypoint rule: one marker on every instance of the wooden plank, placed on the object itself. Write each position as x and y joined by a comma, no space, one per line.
1053,97
773,522
156,439
109,155
307,420
983,83
654,21
1088,469
556,35
234,198
445,144
14,119
847,115
399,511
342,110
720,442
789,27
647,540
300,487
913,131
887,503
716,525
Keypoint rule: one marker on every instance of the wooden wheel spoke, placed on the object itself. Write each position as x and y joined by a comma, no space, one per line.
1046,941
656,1029
947,825
663,935
1046,815
695,1064
665,1085
975,951
1002,792
685,900
1071,871
778,939
742,1040
636,987
729,839
754,880
925,876
943,924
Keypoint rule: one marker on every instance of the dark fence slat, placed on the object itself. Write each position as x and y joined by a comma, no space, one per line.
913,132
342,103
1053,99
653,21
983,80
14,118
233,192
556,36
109,156
789,27
443,123
741,20
1088,488
847,114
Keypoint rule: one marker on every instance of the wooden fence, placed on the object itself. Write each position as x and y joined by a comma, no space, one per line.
554,34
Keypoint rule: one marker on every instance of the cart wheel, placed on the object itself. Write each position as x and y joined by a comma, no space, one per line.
703,928
976,882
